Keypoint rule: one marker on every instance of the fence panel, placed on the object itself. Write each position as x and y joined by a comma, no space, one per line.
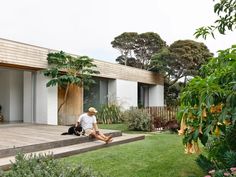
162,115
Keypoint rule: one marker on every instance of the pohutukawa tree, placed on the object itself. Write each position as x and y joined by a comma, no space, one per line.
181,59
137,49
66,70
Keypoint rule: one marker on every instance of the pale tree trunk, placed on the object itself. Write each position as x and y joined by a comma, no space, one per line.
65,98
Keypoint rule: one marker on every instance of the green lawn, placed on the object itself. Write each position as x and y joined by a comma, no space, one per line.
159,155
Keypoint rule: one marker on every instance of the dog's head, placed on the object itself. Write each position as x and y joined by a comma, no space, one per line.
78,130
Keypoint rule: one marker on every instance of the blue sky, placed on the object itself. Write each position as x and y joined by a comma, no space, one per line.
87,27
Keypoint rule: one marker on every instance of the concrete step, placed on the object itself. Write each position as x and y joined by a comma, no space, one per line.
59,152
39,145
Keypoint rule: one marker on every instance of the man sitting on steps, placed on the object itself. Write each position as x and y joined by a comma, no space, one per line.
89,124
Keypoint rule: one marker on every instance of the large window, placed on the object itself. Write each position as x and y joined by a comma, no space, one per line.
97,94
143,95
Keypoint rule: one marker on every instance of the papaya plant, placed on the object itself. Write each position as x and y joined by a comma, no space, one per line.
66,70
208,102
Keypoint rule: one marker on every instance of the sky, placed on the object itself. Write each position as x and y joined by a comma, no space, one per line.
87,27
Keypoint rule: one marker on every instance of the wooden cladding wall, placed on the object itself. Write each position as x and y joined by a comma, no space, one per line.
22,54
73,107
19,55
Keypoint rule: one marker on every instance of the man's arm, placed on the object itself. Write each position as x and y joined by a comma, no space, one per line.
95,126
78,121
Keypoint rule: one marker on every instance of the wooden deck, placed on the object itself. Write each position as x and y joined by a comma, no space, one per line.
21,135
33,138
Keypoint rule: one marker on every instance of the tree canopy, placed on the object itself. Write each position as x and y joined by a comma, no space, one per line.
181,59
137,49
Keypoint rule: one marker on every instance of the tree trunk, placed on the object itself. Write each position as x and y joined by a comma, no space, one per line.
73,105
65,98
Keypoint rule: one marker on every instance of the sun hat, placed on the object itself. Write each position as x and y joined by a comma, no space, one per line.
92,109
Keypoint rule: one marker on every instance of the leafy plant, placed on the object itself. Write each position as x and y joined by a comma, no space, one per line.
66,70
138,119
109,113
226,10
208,103
45,166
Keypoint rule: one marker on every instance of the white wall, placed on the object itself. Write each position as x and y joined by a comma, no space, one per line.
28,97
156,95
46,101
127,93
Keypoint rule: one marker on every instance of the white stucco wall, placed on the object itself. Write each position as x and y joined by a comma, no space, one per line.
127,93
46,101
156,95
28,97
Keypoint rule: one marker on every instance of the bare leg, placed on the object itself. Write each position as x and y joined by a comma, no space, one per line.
101,137
104,136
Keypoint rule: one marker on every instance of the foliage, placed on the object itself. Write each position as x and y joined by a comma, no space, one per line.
137,49
208,103
45,166
138,119
125,43
109,114
183,58
157,155
65,70
171,92
226,11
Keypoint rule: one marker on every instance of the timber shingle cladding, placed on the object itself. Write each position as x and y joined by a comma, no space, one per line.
19,55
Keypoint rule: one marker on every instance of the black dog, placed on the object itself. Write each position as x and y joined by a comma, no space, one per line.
74,130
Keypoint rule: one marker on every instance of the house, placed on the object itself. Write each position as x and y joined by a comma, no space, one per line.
24,96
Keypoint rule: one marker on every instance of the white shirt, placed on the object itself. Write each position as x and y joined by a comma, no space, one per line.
87,121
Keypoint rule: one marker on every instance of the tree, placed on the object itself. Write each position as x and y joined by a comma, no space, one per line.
125,43
226,10
66,70
136,49
181,59
147,44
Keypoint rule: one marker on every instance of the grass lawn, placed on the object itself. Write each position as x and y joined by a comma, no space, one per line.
159,155
121,127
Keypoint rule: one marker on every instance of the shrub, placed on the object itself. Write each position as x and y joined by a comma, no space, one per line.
44,166
109,114
137,119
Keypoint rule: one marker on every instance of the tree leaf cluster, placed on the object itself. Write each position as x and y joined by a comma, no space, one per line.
226,11
65,69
